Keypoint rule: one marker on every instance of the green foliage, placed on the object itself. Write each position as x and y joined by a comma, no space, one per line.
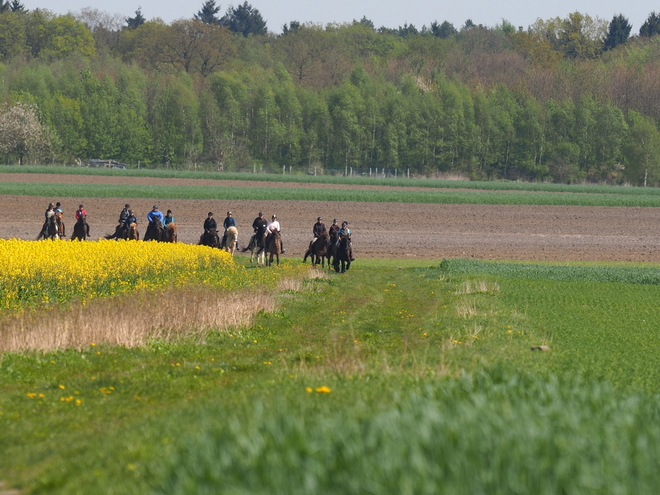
485,103
399,374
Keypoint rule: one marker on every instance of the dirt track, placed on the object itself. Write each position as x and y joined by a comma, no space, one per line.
380,230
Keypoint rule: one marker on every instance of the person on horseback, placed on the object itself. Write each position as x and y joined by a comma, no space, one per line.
50,211
80,212
230,221
168,219
209,224
121,223
273,226
260,224
345,232
58,208
318,229
129,220
334,228
156,215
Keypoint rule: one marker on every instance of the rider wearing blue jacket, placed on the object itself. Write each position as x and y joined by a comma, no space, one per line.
155,214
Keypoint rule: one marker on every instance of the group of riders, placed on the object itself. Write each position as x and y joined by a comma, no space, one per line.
335,234
54,227
261,227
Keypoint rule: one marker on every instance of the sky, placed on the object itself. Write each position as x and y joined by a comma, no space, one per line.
388,13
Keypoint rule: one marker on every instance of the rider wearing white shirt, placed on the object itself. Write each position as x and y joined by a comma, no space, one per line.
273,226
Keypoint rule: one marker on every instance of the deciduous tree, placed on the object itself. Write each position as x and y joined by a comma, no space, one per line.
22,133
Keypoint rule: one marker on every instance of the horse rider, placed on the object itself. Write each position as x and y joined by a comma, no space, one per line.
273,226
168,218
129,220
121,224
80,212
345,232
50,211
209,224
229,221
155,214
58,209
259,226
318,229
333,231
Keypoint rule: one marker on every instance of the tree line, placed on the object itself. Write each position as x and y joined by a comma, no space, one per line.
564,100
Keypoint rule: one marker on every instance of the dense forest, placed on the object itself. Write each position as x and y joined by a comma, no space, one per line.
566,100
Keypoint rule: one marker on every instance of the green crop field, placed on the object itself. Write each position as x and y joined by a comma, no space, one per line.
436,196
396,377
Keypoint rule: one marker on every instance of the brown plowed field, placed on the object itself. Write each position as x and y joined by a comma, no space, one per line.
380,230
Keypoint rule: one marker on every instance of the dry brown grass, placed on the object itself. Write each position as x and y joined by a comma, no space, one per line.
133,319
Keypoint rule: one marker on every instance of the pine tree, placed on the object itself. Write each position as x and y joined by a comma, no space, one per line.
618,32
137,21
207,14
651,27
244,19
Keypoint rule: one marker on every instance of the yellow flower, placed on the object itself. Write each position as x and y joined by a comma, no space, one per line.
323,390
309,389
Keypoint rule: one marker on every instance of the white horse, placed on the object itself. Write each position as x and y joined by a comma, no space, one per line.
231,241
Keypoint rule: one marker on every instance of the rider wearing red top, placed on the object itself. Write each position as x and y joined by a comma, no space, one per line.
80,212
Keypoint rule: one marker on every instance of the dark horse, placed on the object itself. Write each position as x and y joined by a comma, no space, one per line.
80,229
210,238
273,248
341,254
257,247
155,231
50,230
318,250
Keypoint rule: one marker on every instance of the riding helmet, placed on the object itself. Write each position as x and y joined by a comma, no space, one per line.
274,216
344,223
319,219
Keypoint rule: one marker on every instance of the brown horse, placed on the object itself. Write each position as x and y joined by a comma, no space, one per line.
318,250
210,238
59,220
170,233
80,229
231,241
273,248
133,234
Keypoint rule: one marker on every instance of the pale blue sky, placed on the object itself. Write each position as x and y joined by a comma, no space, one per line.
386,13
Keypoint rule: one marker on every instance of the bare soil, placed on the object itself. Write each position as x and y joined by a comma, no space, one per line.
380,230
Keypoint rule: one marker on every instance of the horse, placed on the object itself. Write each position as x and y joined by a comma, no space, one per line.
50,229
232,240
133,233
80,229
342,254
318,250
155,231
257,245
273,248
210,238
170,233
59,220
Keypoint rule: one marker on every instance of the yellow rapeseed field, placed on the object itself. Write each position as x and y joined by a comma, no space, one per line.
38,273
